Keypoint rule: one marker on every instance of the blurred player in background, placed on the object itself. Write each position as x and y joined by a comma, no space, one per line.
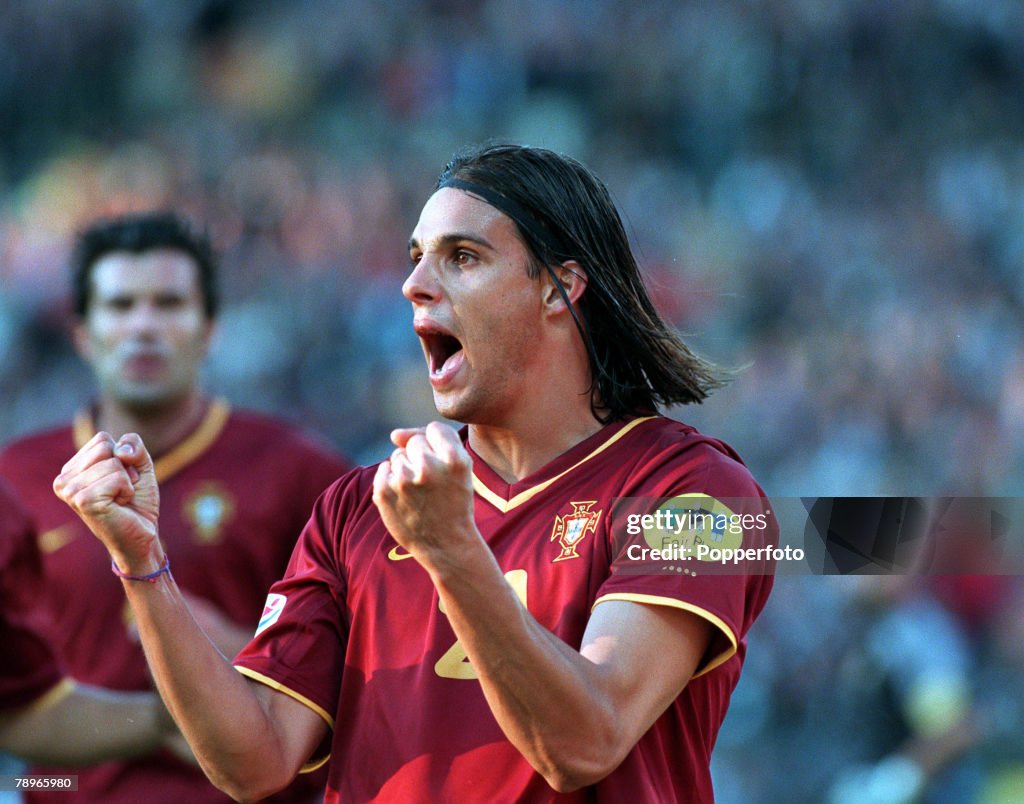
458,615
237,487
44,715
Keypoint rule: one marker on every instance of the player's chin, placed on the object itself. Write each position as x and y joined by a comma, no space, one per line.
145,396
452,406
444,406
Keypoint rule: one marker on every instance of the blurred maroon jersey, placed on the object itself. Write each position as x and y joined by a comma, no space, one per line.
234,496
28,667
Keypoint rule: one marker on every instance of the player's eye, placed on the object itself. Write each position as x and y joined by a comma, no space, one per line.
464,257
170,301
118,303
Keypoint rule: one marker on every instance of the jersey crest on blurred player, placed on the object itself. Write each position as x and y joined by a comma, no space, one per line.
570,529
208,509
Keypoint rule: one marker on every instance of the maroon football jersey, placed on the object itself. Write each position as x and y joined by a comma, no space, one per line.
355,630
28,666
234,496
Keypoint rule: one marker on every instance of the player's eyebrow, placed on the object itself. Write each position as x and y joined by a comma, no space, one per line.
450,240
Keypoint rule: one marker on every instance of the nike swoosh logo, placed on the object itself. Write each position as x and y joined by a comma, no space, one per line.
52,540
394,555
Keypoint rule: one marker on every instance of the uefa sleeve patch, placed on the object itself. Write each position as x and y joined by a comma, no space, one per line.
271,611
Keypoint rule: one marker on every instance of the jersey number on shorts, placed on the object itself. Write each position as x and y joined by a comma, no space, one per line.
454,663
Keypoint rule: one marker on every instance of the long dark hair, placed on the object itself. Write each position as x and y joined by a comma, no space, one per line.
564,212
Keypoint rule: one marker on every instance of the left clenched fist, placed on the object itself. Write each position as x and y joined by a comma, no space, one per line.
111,485
424,491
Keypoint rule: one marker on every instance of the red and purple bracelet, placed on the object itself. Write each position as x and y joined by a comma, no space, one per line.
151,578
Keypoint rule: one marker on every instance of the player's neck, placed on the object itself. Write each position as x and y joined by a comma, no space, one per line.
161,427
548,414
533,439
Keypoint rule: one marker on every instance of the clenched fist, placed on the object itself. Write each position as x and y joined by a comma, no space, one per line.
111,486
424,492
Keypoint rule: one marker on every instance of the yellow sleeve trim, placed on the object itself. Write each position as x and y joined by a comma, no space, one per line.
53,696
312,765
658,600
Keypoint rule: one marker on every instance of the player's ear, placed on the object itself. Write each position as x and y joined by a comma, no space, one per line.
573,279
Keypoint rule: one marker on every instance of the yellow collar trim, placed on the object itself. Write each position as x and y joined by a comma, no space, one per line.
182,455
507,505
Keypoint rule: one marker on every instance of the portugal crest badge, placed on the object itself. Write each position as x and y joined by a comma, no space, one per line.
570,529
208,509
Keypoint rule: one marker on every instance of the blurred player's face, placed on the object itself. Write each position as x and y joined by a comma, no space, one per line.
145,332
475,308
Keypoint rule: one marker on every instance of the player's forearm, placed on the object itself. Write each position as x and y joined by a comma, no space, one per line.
216,708
551,702
85,726
112,486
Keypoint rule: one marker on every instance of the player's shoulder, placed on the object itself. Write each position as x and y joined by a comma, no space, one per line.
355,486
252,422
662,434
348,498
666,446
48,438
277,434
39,448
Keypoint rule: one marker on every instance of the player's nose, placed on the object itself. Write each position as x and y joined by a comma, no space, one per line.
422,285
143,318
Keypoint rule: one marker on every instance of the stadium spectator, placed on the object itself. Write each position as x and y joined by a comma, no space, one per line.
459,619
237,487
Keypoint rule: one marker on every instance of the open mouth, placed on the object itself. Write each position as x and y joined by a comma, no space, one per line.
441,347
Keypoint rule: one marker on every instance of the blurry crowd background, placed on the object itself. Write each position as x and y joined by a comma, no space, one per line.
828,196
